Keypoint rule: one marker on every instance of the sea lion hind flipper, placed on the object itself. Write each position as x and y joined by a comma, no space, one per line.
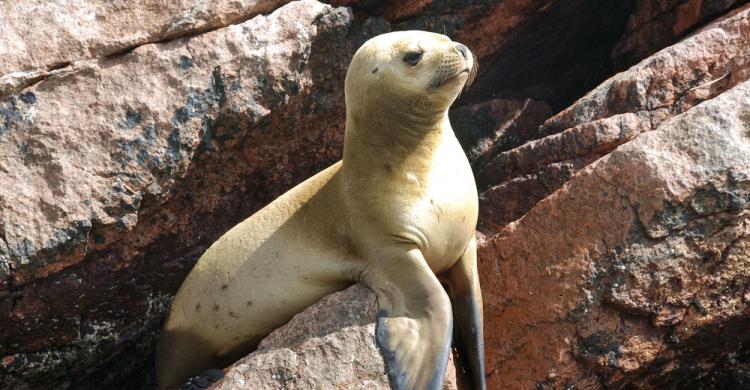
466,299
414,326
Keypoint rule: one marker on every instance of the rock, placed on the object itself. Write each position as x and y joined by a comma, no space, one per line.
38,39
632,102
636,272
532,171
547,50
671,81
494,126
330,345
655,24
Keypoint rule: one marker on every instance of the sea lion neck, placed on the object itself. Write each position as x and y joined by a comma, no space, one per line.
392,134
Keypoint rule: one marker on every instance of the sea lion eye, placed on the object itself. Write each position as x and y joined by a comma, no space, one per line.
412,58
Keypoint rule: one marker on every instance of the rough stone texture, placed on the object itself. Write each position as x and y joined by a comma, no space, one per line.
128,147
488,128
40,37
635,101
554,51
637,269
654,24
673,80
331,345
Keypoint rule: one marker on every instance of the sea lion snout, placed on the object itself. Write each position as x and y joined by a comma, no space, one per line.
455,63
471,63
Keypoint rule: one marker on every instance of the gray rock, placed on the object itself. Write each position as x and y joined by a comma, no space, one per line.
331,345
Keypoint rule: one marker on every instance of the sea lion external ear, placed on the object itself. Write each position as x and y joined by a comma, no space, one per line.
466,297
414,326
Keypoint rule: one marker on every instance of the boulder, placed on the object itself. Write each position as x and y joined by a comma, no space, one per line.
39,38
330,345
654,24
632,102
636,273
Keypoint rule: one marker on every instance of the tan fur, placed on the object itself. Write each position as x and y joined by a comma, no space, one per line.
399,208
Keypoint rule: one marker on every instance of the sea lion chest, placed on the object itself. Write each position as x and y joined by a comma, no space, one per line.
445,213
428,198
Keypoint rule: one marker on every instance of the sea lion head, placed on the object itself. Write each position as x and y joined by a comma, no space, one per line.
409,72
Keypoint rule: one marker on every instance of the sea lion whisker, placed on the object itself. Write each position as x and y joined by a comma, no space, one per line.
409,131
395,143
472,74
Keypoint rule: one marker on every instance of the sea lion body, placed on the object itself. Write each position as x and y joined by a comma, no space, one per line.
399,208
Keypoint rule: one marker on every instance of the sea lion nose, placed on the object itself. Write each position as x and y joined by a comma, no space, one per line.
463,50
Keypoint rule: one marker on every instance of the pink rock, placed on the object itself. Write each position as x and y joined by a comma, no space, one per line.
118,173
635,272
655,24
40,37
629,103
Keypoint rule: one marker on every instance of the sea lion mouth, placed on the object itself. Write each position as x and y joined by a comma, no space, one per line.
443,78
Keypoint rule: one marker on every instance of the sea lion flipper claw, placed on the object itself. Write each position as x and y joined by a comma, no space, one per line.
415,322
466,299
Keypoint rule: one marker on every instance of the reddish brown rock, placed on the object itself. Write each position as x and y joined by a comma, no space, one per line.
671,81
592,138
488,128
538,53
529,173
638,259
627,104
654,24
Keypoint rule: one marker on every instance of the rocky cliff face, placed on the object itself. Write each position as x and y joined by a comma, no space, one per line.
614,200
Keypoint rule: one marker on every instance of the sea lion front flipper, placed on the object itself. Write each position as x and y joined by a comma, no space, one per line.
466,299
415,322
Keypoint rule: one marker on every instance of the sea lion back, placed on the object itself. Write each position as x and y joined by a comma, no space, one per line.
252,280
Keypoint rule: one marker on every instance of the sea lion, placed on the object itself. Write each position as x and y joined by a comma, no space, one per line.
397,210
